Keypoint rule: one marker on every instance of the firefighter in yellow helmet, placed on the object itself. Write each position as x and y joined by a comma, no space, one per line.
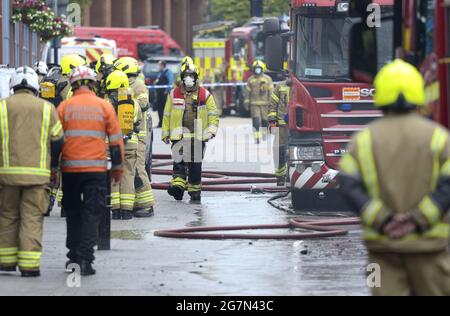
190,121
68,63
396,175
104,67
144,194
259,89
121,97
184,61
278,125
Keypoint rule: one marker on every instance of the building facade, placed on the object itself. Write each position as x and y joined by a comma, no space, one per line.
175,17
18,46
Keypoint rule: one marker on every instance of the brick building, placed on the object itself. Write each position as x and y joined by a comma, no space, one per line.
176,17
18,45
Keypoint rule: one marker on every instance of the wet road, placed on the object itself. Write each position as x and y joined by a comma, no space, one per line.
142,264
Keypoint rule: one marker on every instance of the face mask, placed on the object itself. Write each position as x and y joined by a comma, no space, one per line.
189,82
258,71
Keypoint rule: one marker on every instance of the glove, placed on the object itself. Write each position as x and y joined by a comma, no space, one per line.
399,226
117,174
166,140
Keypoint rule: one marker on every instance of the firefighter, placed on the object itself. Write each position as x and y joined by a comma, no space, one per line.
145,200
190,121
185,60
68,63
41,70
219,91
396,175
104,67
259,88
32,137
277,123
87,120
120,96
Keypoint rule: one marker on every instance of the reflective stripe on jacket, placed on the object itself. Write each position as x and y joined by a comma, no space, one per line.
28,125
207,117
87,120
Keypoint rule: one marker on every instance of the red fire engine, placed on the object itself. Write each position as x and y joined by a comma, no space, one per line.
326,106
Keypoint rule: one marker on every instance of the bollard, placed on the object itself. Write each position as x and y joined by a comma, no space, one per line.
104,240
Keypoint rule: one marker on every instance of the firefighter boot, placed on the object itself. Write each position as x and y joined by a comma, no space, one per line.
86,268
116,214
30,274
196,197
126,215
142,213
8,269
281,181
176,191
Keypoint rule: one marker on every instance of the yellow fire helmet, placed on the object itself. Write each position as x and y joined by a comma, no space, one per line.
187,60
128,65
260,64
116,80
396,79
104,60
187,69
70,62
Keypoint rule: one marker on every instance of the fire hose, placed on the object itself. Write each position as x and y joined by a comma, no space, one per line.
311,228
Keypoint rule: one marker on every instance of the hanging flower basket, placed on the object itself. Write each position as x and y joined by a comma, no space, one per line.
40,19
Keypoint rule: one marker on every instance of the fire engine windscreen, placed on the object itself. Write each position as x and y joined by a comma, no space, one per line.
322,51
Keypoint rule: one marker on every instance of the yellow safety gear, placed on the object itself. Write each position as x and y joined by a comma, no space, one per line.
70,62
187,60
260,64
128,65
104,60
189,68
125,110
399,79
116,80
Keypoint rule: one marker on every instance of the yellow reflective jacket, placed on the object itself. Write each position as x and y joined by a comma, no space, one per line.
206,122
401,160
279,103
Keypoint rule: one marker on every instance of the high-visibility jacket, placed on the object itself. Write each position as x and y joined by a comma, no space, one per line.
278,103
28,125
87,121
400,164
259,88
206,120
140,92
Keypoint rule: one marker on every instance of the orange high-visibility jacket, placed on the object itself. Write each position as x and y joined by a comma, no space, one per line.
87,121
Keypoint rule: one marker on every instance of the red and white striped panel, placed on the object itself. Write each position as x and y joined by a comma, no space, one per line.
310,180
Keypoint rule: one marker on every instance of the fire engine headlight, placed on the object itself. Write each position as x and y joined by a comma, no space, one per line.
306,153
343,7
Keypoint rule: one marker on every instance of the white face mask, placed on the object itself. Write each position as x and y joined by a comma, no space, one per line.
189,82
258,71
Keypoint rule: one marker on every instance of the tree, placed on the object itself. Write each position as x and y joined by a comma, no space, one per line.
239,10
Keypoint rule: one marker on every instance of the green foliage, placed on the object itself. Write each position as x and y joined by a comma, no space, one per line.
239,10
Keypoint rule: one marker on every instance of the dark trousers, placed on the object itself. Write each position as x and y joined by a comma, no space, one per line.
189,164
84,201
162,98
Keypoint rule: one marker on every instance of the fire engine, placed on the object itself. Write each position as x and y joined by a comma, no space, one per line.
326,105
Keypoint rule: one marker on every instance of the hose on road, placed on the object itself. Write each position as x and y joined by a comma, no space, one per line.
221,182
316,229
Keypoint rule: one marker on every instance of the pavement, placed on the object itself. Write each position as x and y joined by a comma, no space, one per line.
142,264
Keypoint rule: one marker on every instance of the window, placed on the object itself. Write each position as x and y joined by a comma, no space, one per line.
16,43
174,52
6,32
149,50
26,45
240,48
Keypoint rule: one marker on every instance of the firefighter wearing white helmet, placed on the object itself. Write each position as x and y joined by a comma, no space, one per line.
259,90
32,137
396,176
41,69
